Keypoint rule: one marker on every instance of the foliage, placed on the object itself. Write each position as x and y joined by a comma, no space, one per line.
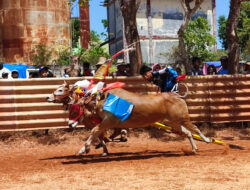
63,55
112,69
216,55
197,39
244,25
81,2
42,55
105,25
75,32
222,31
243,28
94,52
246,51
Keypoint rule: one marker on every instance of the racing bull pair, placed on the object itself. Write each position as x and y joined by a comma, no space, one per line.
147,109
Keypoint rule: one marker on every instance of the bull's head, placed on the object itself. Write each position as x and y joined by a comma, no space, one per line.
60,94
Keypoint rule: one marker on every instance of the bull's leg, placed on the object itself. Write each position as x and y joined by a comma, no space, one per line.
181,130
103,143
115,133
195,129
190,138
95,133
105,150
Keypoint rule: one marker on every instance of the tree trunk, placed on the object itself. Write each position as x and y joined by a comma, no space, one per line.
231,36
188,11
129,9
182,50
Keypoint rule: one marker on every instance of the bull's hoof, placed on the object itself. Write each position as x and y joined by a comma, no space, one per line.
104,154
83,150
87,150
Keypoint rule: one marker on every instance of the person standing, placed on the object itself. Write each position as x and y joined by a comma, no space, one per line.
4,70
196,70
224,66
86,69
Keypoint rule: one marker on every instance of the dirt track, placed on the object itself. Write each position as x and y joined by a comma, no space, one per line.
141,163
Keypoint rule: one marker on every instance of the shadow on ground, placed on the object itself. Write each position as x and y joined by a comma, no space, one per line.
120,156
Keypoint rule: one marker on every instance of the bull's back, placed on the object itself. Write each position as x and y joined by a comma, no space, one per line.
147,108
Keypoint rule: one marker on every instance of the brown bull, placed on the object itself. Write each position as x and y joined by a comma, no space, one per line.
65,94
148,109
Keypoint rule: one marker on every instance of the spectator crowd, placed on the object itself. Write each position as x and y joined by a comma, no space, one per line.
123,69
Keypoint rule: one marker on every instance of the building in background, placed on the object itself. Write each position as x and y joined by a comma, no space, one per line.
27,23
158,23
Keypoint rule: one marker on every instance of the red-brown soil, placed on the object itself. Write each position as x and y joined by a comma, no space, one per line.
48,162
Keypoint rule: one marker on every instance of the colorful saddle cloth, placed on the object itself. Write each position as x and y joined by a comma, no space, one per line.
119,107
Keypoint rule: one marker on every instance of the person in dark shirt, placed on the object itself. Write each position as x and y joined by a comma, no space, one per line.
121,70
224,64
196,62
164,78
86,69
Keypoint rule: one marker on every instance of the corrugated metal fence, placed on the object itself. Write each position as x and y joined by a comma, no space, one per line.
210,99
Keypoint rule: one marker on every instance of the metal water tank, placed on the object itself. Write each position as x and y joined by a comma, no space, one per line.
26,23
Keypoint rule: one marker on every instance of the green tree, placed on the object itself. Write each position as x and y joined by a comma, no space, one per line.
189,10
222,31
198,40
42,55
105,25
246,51
243,30
75,32
92,54
243,27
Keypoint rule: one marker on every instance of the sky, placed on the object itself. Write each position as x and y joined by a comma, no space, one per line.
98,12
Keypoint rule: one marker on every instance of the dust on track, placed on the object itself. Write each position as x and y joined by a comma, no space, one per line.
141,163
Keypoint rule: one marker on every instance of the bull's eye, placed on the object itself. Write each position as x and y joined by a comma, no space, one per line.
60,91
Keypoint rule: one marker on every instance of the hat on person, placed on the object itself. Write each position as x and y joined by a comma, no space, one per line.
101,61
156,66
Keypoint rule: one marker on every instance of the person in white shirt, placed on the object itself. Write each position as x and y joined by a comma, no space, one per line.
4,70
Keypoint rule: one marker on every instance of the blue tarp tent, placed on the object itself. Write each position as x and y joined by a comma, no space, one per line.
217,64
20,68
214,63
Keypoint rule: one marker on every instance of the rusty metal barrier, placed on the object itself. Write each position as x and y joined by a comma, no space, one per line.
210,99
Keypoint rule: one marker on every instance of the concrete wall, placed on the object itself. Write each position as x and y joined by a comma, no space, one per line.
159,31
26,23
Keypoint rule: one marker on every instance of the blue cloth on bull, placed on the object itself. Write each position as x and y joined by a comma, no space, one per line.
119,107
